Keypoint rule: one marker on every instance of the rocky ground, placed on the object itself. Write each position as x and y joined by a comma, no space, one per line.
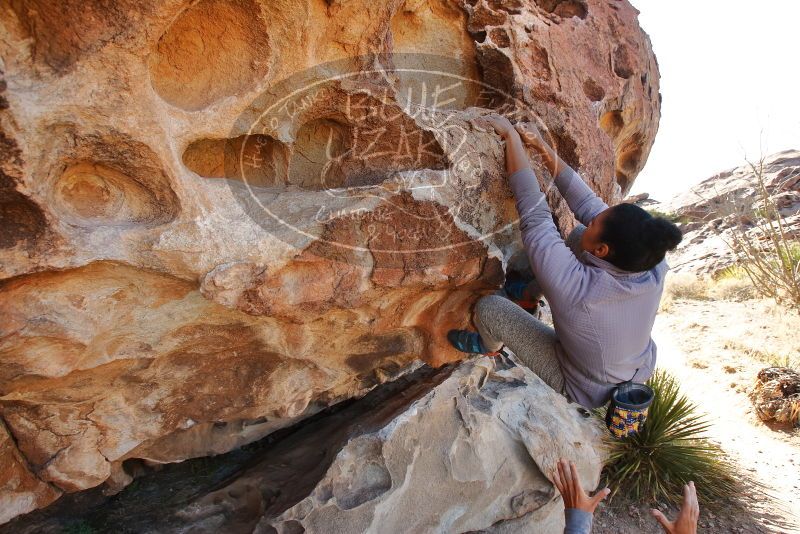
717,352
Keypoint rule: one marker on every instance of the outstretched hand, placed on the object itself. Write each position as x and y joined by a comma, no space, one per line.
530,134
569,485
686,522
502,126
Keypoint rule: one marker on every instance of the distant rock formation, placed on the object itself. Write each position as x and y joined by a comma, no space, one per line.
636,199
709,211
220,217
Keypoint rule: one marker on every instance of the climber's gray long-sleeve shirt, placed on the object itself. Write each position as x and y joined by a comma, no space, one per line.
602,315
577,521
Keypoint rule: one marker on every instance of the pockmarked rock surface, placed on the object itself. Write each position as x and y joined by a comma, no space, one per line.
220,217
709,211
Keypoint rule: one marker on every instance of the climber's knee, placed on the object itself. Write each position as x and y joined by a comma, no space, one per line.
486,306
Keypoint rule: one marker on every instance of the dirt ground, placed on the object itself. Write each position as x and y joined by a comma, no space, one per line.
715,347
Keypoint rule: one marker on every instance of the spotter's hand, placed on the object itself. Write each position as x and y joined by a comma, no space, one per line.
568,483
686,522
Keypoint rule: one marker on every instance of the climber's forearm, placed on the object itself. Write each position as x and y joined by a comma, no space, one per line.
583,202
557,270
552,161
516,156
550,158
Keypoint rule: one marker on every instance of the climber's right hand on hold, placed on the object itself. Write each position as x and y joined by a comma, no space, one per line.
502,126
530,134
516,157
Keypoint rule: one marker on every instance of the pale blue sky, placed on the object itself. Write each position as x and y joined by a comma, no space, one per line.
729,70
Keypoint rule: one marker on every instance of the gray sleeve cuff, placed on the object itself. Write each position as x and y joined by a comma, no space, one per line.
577,521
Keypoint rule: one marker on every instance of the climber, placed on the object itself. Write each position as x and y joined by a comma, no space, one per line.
603,284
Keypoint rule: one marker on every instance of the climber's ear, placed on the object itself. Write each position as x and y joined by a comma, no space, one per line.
601,250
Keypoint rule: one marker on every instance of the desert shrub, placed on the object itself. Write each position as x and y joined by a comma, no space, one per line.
767,252
685,286
671,217
734,289
734,271
768,357
665,306
668,452
785,360
732,283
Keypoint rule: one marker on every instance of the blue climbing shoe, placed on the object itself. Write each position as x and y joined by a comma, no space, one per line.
467,341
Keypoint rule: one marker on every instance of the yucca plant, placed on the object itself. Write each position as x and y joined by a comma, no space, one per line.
671,449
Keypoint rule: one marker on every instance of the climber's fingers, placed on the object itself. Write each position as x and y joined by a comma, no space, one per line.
528,128
599,496
662,520
502,126
566,476
690,500
566,485
481,124
576,481
557,481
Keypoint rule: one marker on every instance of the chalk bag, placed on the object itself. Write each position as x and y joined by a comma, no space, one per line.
627,410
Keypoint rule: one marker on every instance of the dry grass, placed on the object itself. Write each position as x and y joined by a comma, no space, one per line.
732,285
671,217
767,357
682,286
685,286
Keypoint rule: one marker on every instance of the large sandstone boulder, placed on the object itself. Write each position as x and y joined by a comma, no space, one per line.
476,453
219,217
455,449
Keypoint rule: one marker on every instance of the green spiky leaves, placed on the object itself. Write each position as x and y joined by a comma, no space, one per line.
668,452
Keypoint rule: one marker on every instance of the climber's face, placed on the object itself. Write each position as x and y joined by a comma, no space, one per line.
590,240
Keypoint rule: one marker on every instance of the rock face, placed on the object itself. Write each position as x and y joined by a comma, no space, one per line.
489,438
220,217
455,449
710,210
